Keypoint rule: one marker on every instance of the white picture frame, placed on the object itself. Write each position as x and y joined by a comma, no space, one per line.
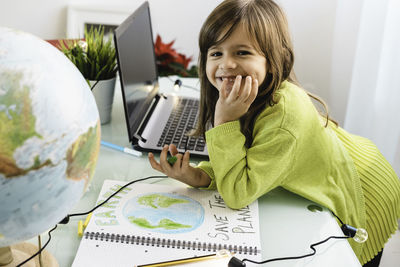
80,15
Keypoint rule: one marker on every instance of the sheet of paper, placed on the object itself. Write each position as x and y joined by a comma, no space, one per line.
147,223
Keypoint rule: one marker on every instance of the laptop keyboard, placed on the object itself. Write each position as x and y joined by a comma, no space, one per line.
182,119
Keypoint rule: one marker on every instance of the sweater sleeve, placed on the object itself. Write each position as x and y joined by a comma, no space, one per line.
242,175
207,168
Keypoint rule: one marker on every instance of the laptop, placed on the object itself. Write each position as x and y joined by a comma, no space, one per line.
152,119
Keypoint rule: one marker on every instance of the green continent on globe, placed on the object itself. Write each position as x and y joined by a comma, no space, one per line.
164,223
157,200
17,123
82,155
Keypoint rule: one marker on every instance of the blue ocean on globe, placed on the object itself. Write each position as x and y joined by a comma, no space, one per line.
164,213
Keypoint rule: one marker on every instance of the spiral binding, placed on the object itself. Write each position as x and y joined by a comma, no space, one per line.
170,243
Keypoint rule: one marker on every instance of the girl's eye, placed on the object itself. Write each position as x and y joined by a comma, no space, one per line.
243,53
215,54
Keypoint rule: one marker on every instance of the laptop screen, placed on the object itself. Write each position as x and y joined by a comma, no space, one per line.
137,66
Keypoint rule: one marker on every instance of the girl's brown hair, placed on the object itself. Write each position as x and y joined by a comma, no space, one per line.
266,24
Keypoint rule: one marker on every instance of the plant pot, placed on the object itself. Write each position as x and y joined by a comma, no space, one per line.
103,93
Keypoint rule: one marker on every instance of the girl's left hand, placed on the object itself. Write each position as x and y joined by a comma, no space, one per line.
233,105
181,169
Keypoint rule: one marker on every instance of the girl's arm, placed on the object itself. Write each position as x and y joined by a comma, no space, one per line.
242,175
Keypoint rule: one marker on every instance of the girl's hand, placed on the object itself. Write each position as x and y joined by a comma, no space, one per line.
180,170
233,105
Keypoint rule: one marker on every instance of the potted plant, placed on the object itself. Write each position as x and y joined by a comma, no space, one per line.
95,58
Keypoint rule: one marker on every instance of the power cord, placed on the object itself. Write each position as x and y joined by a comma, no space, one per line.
235,262
178,82
359,235
40,250
66,219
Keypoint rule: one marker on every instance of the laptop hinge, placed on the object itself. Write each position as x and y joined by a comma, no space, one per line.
138,134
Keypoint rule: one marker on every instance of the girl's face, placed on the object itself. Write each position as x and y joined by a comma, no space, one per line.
237,55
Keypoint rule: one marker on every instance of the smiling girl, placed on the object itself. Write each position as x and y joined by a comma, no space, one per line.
262,130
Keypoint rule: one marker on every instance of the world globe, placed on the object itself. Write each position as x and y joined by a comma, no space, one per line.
49,136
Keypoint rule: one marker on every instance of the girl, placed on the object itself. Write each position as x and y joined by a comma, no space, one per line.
262,130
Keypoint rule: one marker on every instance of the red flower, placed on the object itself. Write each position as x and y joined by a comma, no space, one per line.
169,61
162,49
182,59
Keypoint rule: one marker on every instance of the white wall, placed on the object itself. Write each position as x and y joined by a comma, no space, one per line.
347,24
325,37
44,18
324,34
178,20
311,23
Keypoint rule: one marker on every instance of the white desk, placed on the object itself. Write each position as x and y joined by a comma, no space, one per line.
287,226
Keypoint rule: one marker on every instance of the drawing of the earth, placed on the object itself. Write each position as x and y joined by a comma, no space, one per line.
164,213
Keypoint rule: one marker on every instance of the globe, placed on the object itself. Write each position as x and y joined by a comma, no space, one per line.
49,136
164,213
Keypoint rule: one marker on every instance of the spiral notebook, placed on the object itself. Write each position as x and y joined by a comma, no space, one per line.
150,223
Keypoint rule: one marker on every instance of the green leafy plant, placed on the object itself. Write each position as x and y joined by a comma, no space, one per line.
94,56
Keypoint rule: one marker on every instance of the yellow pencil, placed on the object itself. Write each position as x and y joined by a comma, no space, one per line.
187,260
80,228
87,220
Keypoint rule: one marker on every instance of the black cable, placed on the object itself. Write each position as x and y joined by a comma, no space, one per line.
184,85
298,257
66,219
349,232
337,217
40,250
116,192
91,88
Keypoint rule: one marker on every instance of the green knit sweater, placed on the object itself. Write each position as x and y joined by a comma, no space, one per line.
291,148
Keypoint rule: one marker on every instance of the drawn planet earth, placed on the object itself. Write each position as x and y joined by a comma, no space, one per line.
49,136
164,213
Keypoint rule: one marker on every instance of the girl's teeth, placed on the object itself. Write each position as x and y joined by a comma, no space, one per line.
229,79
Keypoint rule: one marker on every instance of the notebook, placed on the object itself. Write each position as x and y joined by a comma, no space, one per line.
151,223
147,112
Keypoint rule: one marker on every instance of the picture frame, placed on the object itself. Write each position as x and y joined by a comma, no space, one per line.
79,16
